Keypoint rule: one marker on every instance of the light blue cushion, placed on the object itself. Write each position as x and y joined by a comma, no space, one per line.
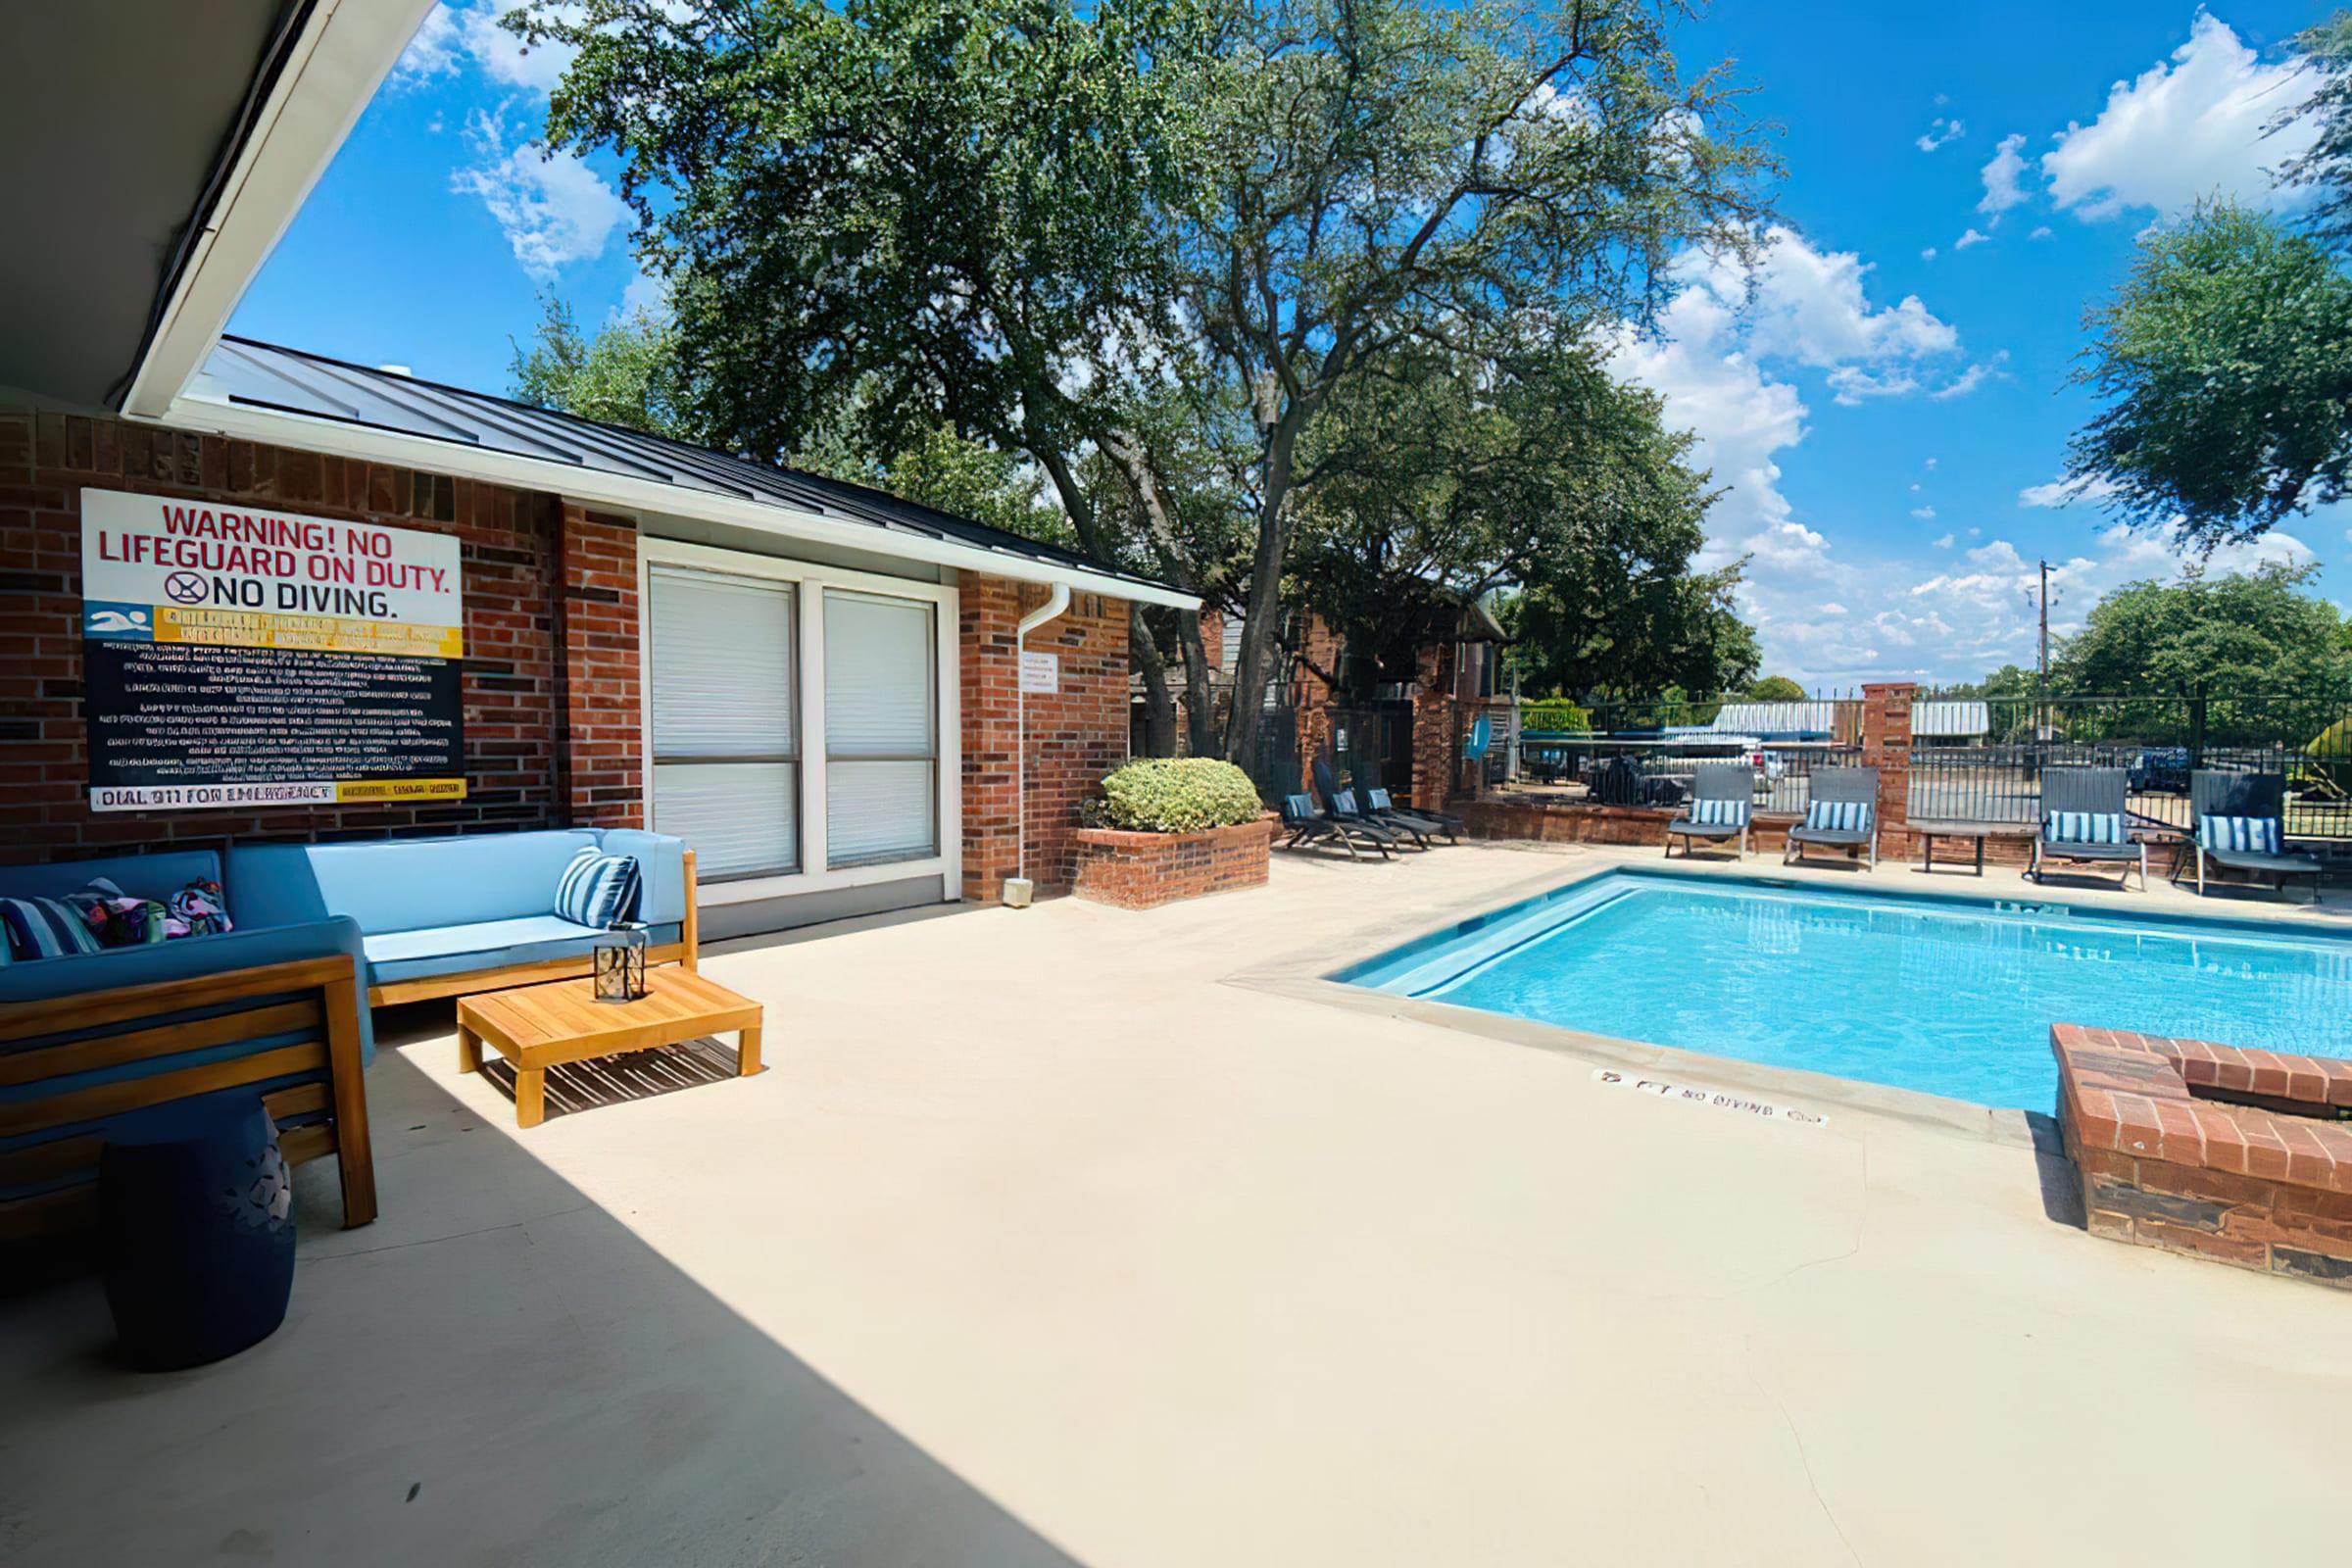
398,956
660,871
2257,834
2082,827
1839,816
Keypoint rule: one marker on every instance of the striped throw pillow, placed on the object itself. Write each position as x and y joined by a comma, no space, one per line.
2082,827
1839,816
597,888
1719,813
45,928
2260,834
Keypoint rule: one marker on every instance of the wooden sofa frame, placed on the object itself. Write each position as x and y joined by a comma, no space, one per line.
685,951
317,998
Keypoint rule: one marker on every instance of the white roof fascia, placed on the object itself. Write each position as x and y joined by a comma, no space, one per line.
346,49
337,438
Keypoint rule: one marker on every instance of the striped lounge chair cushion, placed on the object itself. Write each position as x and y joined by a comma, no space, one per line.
45,928
2259,834
1719,813
598,889
1839,816
2082,827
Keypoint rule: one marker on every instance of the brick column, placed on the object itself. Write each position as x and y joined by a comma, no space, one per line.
1886,747
600,749
1436,730
988,613
1322,652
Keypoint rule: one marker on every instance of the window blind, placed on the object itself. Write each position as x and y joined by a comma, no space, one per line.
881,730
726,741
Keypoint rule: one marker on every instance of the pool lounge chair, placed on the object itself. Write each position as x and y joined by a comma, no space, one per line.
1382,809
2239,822
1723,797
1342,806
1842,814
2086,821
1308,826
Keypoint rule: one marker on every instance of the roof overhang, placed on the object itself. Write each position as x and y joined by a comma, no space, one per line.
621,492
313,85
164,147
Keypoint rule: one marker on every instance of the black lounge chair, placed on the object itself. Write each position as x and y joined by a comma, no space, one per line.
1723,797
2086,819
2239,821
1382,809
1341,805
1309,826
1842,813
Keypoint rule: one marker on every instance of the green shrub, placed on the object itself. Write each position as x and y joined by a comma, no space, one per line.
1554,715
1177,794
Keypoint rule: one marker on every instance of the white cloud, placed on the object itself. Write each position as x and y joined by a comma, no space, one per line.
1924,514
644,295
1972,238
1941,134
1944,543
2004,176
1967,381
2040,231
453,34
1929,464
1928,254
555,210
2065,492
2190,128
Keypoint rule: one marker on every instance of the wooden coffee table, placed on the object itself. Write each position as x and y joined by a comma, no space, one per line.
538,1027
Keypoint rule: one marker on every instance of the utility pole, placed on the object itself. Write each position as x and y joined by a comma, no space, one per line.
2045,622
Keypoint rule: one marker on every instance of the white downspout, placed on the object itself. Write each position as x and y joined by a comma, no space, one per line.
1018,887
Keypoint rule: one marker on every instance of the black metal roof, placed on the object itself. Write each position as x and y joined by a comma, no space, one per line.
265,376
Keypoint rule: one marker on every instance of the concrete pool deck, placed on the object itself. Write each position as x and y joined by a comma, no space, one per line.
1040,1243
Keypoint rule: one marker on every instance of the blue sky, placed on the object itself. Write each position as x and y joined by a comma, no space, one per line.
1888,405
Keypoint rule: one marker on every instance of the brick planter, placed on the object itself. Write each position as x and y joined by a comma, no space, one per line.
1143,870
2209,1150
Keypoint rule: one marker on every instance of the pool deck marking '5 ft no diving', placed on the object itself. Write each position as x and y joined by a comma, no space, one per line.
1684,1094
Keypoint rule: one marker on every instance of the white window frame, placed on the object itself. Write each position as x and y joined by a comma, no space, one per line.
812,580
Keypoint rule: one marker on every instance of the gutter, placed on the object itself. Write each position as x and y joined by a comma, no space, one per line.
1017,887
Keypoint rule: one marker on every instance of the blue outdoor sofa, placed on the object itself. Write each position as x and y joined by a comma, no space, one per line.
445,916
90,1042
278,1007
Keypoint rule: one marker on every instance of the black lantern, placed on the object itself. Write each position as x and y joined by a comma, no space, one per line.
620,963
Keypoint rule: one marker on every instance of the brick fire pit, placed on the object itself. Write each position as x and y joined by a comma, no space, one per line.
2231,1154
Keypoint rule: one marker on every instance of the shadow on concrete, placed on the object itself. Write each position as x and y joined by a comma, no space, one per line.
498,1371
2061,1186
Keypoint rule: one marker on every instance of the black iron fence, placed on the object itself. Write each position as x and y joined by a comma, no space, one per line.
1645,752
1985,759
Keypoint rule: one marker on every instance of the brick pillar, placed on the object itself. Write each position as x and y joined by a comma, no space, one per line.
988,614
600,750
1436,730
1886,747
1322,652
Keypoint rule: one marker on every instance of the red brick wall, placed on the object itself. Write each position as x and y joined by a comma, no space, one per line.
2209,1150
602,741
1075,735
1143,870
519,704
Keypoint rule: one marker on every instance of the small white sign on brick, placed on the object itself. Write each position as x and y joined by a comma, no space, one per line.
1040,672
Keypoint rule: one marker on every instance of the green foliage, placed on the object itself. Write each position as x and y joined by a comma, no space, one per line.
2241,634
1436,478
2327,164
626,374
2227,359
1555,715
1776,689
1178,795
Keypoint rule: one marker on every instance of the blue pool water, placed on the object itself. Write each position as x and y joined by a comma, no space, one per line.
1954,997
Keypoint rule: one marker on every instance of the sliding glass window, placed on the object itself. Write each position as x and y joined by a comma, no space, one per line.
881,729
726,756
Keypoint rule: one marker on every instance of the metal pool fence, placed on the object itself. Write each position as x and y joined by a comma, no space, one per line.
1990,768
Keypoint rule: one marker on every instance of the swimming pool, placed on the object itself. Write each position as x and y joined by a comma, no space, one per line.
1951,995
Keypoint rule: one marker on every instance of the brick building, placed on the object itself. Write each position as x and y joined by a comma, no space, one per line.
843,701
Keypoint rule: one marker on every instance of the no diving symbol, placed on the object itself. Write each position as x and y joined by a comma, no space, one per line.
185,588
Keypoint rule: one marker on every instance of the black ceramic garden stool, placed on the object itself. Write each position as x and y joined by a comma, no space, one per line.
198,1230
